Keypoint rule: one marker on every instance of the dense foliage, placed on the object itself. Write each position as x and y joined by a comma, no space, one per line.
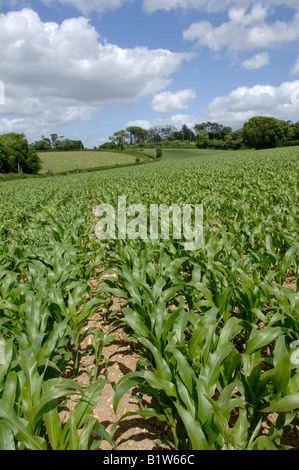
17,156
217,327
264,132
55,143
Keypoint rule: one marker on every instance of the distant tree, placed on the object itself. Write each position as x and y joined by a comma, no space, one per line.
294,131
61,144
159,152
233,140
47,142
224,131
167,133
43,144
154,134
54,139
32,163
17,155
178,135
7,162
264,132
119,138
188,134
202,139
106,146
137,134
199,127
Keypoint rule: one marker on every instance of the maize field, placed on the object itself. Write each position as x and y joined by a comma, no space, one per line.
217,328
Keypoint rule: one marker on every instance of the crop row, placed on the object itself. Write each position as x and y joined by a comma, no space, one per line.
217,327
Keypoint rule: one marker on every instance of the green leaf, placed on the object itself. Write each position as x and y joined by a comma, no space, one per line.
162,370
148,413
55,388
239,433
122,389
220,419
183,367
204,327
6,353
230,329
216,361
287,259
263,443
194,430
284,405
260,338
282,365
158,383
73,434
7,441
10,388
21,429
53,424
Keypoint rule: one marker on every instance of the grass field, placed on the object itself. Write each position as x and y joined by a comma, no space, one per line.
215,329
59,162
210,155
184,154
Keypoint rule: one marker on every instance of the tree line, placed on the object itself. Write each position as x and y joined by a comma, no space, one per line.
57,143
17,155
259,132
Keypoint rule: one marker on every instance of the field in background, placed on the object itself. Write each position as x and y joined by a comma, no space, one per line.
170,154
59,162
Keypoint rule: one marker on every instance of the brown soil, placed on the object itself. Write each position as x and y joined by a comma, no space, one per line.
290,283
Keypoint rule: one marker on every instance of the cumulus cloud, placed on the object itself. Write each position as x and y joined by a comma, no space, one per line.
238,107
168,102
245,30
257,61
243,103
56,74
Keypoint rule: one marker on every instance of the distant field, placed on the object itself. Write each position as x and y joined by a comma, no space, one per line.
59,162
185,155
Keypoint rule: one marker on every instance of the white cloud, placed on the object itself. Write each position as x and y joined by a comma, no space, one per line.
257,61
210,5
239,106
295,69
56,74
245,30
243,103
144,123
150,6
87,7
177,121
168,102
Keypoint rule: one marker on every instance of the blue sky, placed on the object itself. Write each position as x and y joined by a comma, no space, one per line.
85,70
